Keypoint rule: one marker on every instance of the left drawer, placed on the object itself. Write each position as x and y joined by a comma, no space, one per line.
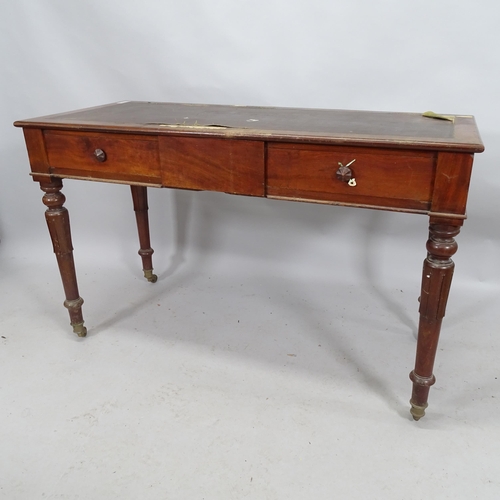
106,156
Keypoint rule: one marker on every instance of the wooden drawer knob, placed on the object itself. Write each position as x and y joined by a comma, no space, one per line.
100,155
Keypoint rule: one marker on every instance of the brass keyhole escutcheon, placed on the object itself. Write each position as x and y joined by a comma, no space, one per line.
345,174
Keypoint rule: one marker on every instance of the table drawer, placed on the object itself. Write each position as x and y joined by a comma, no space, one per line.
387,178
121,157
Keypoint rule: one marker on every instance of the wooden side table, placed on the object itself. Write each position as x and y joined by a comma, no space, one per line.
401,162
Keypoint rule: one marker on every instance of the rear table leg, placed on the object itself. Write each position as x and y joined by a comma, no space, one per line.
140,199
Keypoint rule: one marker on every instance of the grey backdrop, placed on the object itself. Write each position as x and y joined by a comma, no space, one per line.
388,55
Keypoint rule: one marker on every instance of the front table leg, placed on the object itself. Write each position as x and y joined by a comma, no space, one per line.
436,282
58,223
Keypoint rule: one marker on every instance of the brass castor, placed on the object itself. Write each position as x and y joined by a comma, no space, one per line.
148,274
79,329
417,412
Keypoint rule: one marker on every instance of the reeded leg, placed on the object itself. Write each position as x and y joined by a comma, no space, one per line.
140,199
436,282
59,228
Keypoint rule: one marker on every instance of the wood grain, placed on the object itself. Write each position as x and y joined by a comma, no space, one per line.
36,150
128,157
388,178
451,187
229,166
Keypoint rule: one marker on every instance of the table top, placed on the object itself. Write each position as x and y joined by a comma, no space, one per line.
322,126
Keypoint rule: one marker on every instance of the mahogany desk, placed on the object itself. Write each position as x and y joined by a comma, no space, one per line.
391,161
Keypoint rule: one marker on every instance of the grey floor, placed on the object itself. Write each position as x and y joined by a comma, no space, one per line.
239,375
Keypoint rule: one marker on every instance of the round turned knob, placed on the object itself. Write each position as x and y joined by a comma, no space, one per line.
100,155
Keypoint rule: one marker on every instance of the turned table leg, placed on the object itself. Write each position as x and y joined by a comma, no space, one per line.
140,199
436,282
57,218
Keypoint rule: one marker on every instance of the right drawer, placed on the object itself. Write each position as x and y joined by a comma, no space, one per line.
383,177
